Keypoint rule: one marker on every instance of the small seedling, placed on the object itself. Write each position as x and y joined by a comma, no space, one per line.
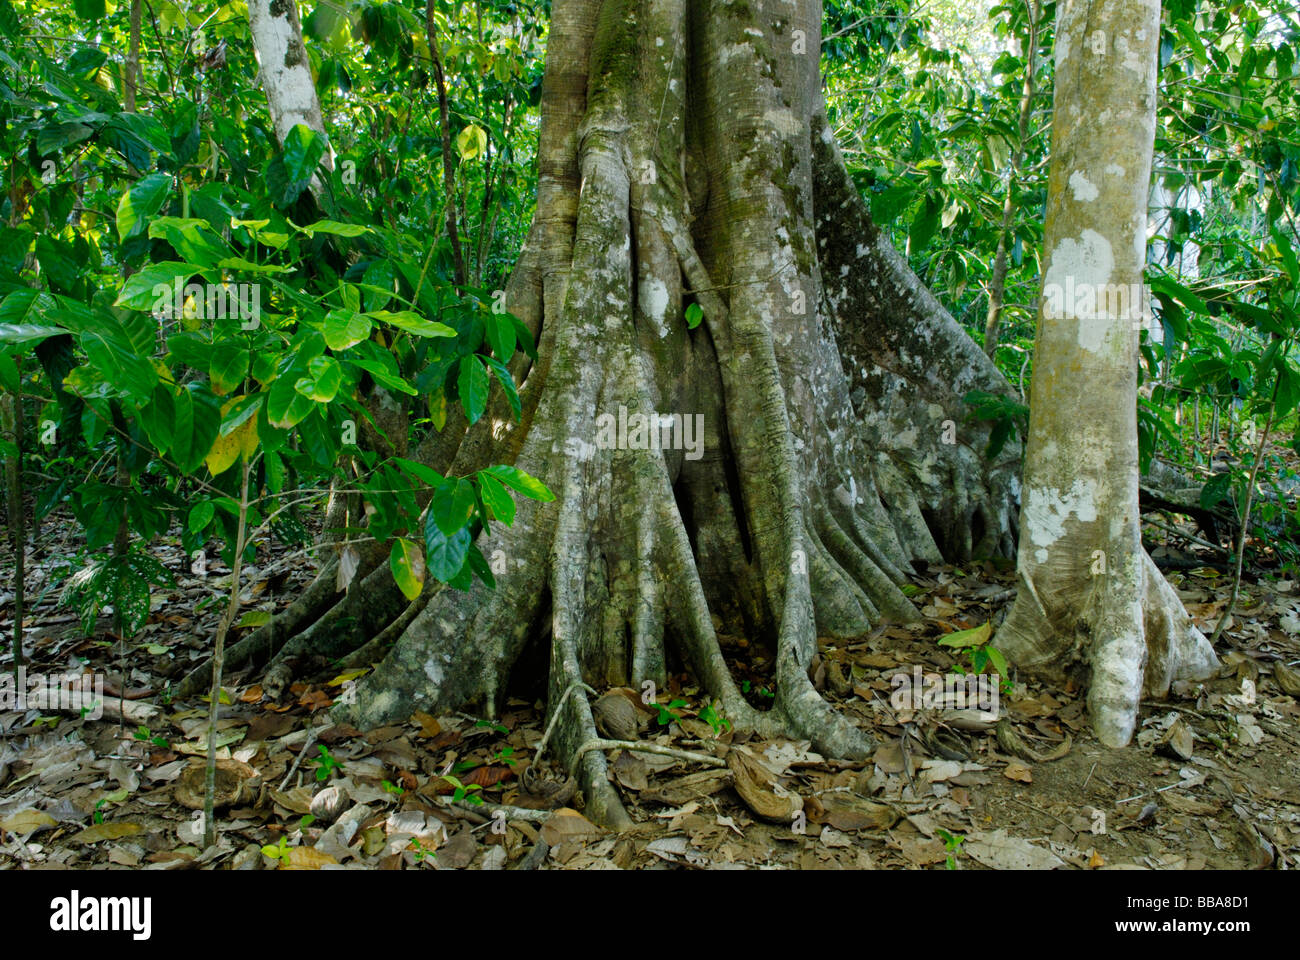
158,740
666,716
325,764
504,756
498,727
391,787
279,852
952,844
712,715
462,792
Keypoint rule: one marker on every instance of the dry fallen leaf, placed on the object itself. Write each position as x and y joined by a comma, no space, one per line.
1018,772
27,821
566,824
107,831
305,858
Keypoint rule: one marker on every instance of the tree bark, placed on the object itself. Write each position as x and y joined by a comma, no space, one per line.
285,69
1090,598
685,158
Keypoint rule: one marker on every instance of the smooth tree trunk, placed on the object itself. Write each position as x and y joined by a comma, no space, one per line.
1090,598
285,69
685,157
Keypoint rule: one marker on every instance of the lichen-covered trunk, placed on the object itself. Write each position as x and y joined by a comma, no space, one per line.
775,470
1089,594
285,70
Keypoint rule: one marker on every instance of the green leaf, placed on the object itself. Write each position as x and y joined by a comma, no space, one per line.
407,563
412,322
501,335
332,227
1215,490
228,366
445,555
201,515
453,505
23,332
507,384
694,314
516,479
138,290
343,328
322,381
472,384
141,202
198,421
496,498
255,618
290,172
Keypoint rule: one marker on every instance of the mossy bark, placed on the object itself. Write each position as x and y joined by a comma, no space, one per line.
684,158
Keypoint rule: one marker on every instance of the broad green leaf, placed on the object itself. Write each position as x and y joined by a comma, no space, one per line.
516,479
412,322
198,421
472,384
23,332
452,505
444,555
139,293
332,227
322,381
497,498
343,328
201,515
471,142
142,201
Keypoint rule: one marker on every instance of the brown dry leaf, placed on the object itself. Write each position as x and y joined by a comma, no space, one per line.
1018,772
252,694
1096,860
568,825
107,831
848,813
922,851
27,821
458,852
305,858
429,726
314,700
755,783
630,771
486,776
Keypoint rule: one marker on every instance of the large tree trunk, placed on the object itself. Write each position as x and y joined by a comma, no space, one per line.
1090,596
685,157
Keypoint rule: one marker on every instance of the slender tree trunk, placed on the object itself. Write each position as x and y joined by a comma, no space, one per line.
285,69
1090,598
997,286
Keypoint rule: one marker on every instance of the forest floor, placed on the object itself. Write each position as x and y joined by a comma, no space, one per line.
1212,779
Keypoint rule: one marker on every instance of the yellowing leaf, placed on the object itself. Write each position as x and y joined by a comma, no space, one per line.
255,618
974,637
242,441
25,821
406,560
471,142
343,678
108,831
305,858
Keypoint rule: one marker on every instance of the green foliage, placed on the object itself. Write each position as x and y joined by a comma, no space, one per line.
190,294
